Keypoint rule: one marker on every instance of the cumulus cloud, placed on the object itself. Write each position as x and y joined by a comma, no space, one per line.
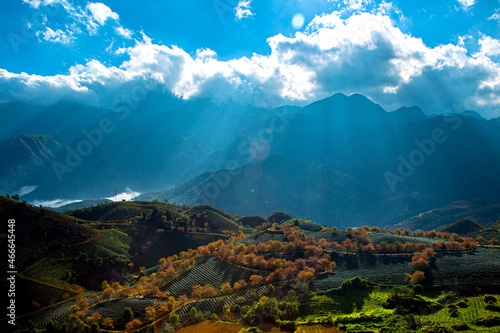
365,53
101,13
125,33
57,36
91,18
489,46
243,9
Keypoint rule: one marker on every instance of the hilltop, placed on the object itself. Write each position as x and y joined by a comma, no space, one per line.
463,227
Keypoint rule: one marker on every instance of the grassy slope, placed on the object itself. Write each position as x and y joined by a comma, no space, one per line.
40,231
117,211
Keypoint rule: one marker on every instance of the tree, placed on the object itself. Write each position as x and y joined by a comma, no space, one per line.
16,197
83,303
174,319
104,285
150,313
417,277
133,325
193,312
493,241
225,288
109,292
107,323
256,280
128,315
197,291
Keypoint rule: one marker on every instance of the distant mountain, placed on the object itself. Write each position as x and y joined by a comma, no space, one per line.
354,161
23,160
299,187
482,211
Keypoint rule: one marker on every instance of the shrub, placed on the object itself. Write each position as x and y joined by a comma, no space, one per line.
460,327
174,319
418,289
492,307
489,321
128,315
193,312
489,299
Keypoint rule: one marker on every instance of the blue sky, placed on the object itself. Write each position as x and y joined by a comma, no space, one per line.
441,55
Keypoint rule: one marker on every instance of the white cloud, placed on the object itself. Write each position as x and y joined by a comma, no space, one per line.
489,46
495,16
353,5
101,13
125,33
57,36
466,4
26,189
243,9
127,195
365,53
38,3
53,203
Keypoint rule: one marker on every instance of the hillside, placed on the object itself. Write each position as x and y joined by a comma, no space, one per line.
40,232
163,261
299,187
462,227
24,157
484,211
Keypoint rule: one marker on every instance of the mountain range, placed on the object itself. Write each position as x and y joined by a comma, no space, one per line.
340,160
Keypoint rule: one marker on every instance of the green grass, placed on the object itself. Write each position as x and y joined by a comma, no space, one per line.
475,310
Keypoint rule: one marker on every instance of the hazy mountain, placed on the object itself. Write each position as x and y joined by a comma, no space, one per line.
346,152
484,211
299,187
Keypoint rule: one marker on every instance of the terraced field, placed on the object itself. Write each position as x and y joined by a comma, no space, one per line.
317,329
170,243
464,268
114,308
212,327
57,313
112,246
216,305
382,269
262,238
377,238
209,271
481,267
475,309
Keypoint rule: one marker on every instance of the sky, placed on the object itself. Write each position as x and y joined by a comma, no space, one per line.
440,55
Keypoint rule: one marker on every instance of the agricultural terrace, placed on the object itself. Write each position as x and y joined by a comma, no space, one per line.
251,279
